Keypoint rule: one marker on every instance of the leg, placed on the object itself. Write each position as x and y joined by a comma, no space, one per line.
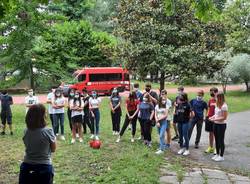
113,120
185,132
199,129
222,137
211,139
79,128
87,121
97,120
61,116
74,130
134,120
92,121
69,118
142,128
4,120
180,134
51,119
168,130
56,123
191,127
125,125
216,136
162,135
84,125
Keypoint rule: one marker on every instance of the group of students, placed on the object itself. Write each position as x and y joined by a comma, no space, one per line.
148,107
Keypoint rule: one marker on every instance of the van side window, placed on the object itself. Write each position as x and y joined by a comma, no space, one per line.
105,77
81,77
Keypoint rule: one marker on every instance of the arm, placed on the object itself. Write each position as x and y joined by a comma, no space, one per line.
111,106
53,147
137,110
118,105
152,115
221,118
165,115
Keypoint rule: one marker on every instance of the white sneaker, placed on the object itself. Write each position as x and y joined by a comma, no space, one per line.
80,140
186,153
113,132
92,136
215,157
77,135
117,133
181,151
139,138
219,159
73,141
132,140
62,138
97,138
118,140
159,152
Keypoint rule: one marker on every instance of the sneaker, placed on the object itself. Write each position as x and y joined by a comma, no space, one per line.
77,135
62,138
215,152
149,144
196,146
215,157
132,140
159,152
97,138
80,140
73,141
186,153
209,150
2,133
116,133
175,138
219,159
92,136
118,140
167,146
113,132
181,151
11,133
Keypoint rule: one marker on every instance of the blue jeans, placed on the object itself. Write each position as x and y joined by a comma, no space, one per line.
161,131
58,120
95,121
183,128
37,173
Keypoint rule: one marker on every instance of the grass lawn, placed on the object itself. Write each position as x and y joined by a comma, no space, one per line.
125,162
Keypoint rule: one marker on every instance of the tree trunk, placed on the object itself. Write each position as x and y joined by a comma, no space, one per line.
162,81
151,77
32,84
247,86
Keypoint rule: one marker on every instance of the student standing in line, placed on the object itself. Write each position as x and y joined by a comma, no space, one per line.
58,104
77,114
168,103
180,91
31,99
220,125
94,104
183,115
210,124
198,106
161,114
146,115
71,96
132,107
40,142
6,114
116,111
86,120
50,96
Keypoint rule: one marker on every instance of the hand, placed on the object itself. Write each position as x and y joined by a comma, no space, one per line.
158,124
93,115
113,111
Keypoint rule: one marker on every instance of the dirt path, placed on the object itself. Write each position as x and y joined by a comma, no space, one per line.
42,98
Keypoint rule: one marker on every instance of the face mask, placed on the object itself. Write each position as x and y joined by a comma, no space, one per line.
199,98
30,93
94,95
58,94
163,102
77,96
72,94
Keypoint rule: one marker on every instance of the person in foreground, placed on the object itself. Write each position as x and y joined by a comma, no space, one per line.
40,142
219,119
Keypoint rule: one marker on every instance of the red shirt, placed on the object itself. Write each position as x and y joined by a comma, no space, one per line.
211,107
132,105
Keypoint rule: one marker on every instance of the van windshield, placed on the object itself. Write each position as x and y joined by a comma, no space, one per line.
81,77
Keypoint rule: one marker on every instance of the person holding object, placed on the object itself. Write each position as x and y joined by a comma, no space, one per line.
31,99
116,111
198,106
40,142
94,104
132,107
220,125
6,113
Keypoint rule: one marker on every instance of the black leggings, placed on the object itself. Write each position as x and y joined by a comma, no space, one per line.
86,122
126,123
69,118
146,127
219,135
116,119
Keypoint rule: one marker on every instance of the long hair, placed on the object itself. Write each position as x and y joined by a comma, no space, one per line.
35,117
132,96
160,104
220,99
184,96
57,91
78,99
70,90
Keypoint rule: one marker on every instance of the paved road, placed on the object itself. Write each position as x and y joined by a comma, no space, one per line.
42,98
237,153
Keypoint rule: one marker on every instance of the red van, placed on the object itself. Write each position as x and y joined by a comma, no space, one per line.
102,79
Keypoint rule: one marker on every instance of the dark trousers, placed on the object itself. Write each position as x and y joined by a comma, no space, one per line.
116,119
219,135
38,174
95,121
58,121
183,133
69,118
86,122
126,123
51,117
198,122
146,126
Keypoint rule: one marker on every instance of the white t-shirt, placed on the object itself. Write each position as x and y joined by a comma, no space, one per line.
169,106
219,113
58,101
160,112
74,112
31,100
94,102
50,98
